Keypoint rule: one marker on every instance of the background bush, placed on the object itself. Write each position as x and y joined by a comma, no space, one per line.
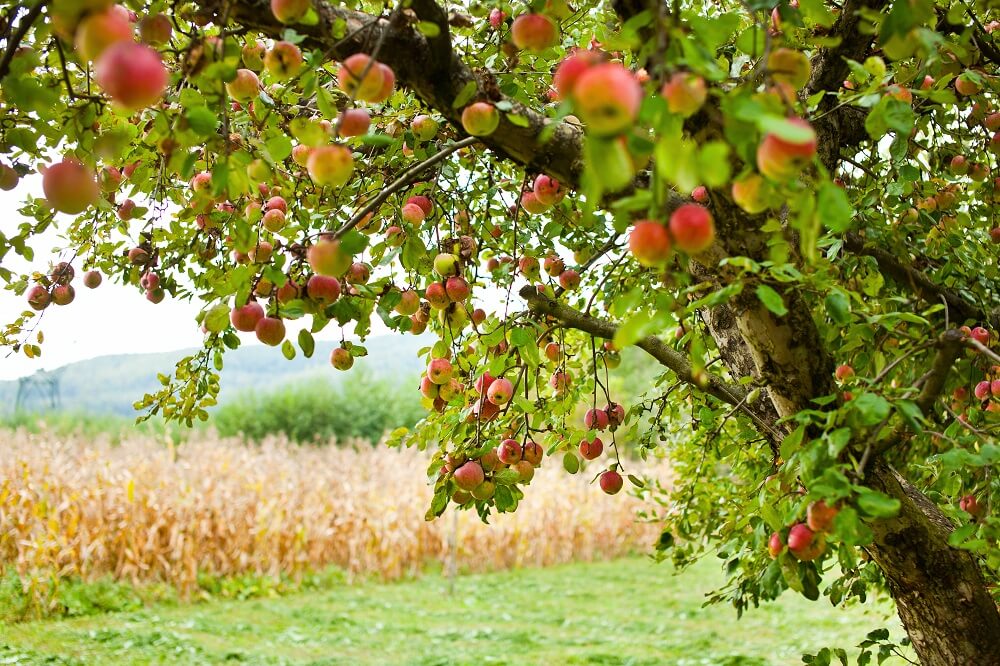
311,411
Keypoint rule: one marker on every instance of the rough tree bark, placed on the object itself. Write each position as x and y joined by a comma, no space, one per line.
940,593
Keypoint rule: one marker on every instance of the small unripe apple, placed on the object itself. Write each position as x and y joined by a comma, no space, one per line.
149,281
245,318
970,505
611,482
553,352
965,86
341,359
496,18
323,288
592,449
270,331
8,178
700,194
252,55
843,372
982,390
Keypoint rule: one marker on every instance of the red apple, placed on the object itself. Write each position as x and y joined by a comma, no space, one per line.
354,122
649,243
440,371
361,77
98,31
820,515
607,98
591,449
132,74
692,228
323,288
69,186
611,482
245,318
244,87
270,331
289,11
775,545
38,297
569,70
469,475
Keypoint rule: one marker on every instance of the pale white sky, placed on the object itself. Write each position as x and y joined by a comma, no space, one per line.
112,319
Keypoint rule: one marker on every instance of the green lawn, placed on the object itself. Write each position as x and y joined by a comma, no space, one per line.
624,612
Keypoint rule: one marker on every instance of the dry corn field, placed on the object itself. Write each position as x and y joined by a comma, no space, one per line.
145,511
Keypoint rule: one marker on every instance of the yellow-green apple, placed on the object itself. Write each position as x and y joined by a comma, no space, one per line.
99,30
156,29
341,358
330,165
361,77
480,119
289,11
685,93
780,158
789,66
283,61
534,32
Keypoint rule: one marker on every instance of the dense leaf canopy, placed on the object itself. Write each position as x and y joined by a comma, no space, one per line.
790,208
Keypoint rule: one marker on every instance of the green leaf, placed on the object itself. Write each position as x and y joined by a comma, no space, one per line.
571,463
871,408
288,350
877,505
428,29
834,208
464,95
217,318
636,327
772,300
202,120
306,343
838,306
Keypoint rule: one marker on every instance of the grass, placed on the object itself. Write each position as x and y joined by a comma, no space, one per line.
624,612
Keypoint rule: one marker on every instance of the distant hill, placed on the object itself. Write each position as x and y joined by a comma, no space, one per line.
110,384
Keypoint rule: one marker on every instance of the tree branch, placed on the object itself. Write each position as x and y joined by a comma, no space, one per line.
669,358
959,309
22,29
417,63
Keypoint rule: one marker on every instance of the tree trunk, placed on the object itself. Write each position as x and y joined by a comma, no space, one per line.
939,591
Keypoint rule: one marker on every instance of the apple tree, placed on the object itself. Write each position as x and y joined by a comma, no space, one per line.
788,208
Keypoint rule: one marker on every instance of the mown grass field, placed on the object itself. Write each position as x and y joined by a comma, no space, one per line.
623,612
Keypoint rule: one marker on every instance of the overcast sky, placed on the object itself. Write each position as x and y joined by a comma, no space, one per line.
112,319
